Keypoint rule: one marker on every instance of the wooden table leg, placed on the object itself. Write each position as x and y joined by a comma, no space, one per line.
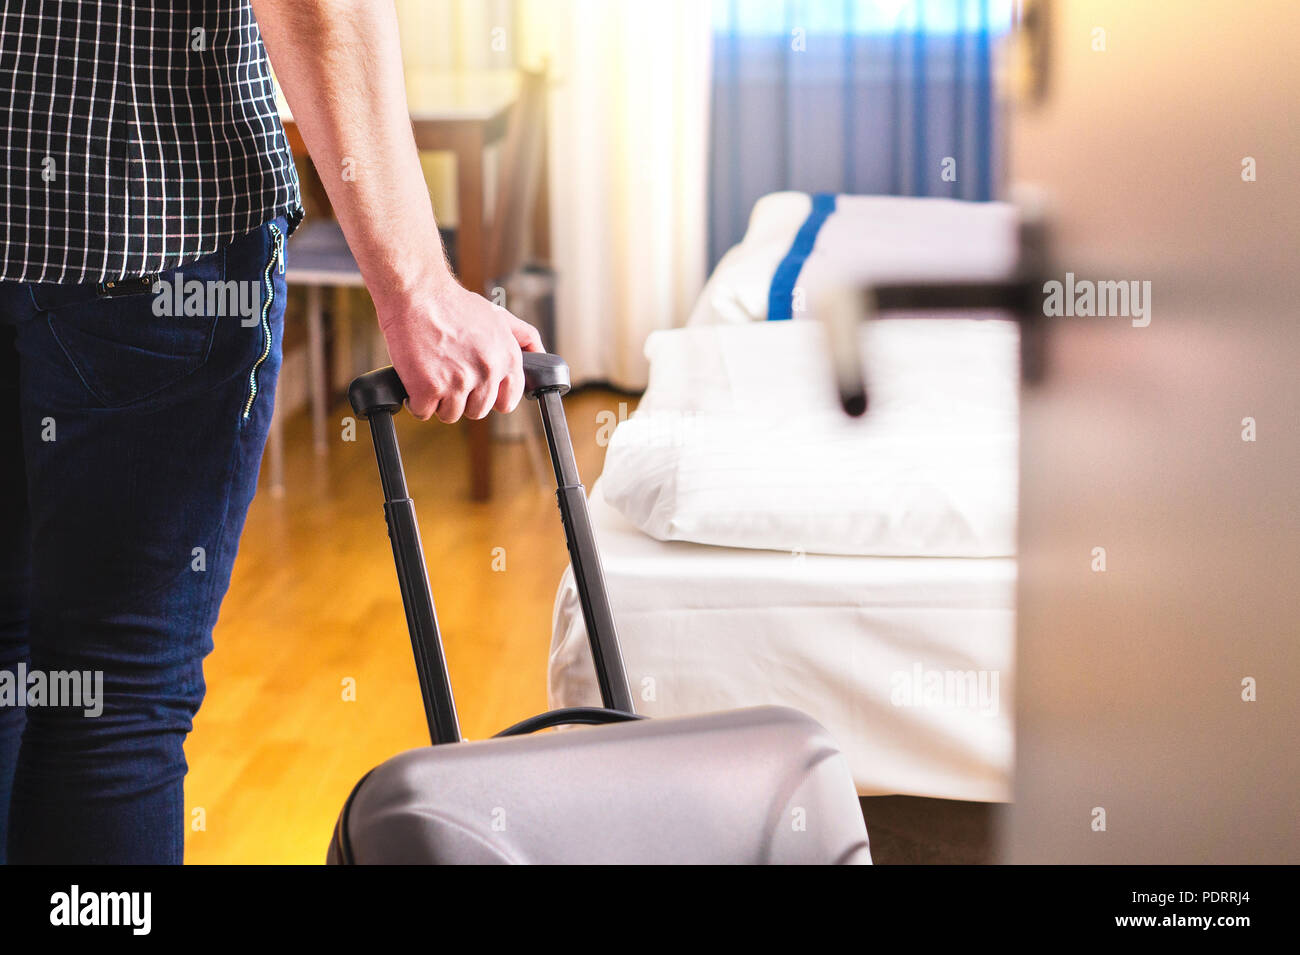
473,275
275,449
317,369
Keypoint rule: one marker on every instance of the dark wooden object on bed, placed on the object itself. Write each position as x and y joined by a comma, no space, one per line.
915,830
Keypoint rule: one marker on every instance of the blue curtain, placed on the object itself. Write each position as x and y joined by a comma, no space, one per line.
850,96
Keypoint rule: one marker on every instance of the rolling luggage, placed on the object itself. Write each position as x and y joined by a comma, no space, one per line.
759,785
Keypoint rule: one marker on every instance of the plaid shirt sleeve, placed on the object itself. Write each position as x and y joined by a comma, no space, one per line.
138,136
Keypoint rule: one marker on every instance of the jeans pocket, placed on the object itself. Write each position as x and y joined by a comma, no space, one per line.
126,348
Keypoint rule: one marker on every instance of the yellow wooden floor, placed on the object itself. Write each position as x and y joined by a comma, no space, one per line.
314,605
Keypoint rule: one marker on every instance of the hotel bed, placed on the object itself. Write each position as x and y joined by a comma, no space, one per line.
711,628
760,547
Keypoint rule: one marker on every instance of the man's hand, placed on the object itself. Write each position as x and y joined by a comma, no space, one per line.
340,65
457,353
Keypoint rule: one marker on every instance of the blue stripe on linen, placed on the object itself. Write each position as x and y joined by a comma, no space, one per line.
780,298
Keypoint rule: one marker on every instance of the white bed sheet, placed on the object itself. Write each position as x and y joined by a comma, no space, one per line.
842,638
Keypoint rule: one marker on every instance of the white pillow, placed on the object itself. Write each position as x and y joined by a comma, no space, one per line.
866,237
738,288
739,441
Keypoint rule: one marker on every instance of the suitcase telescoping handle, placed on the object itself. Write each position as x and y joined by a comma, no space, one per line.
378,396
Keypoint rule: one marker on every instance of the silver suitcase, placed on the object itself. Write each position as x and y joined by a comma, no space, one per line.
760,785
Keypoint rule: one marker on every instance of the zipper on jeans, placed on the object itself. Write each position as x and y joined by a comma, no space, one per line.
277,263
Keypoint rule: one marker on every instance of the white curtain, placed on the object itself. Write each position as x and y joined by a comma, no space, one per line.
628,171
457,34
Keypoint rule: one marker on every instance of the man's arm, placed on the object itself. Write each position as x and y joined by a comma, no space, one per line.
340,66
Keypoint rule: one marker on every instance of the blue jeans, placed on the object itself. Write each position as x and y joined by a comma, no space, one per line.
130,443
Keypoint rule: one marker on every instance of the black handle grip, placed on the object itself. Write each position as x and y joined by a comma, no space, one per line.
544,372
378,390
382,390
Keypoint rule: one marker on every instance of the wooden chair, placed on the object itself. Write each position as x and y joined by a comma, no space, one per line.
319,256
520,210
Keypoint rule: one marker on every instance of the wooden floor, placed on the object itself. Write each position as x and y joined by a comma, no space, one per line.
314,609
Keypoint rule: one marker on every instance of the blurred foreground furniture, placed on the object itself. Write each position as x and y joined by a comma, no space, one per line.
462,113
319,258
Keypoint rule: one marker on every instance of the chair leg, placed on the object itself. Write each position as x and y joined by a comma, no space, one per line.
535,443
275,448
317,373
480,459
